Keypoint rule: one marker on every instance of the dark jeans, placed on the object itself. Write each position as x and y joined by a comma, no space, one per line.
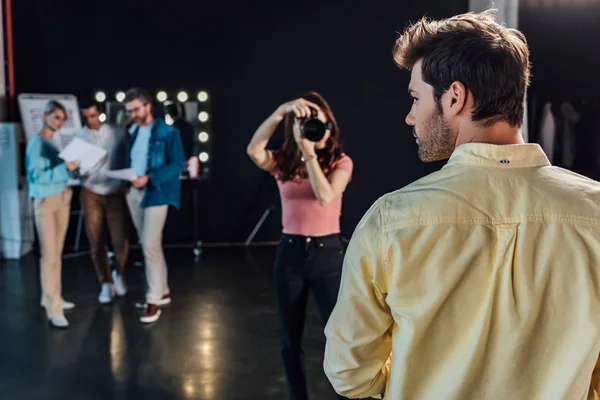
303,264
110,210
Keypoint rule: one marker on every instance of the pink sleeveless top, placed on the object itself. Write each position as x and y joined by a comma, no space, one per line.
301,213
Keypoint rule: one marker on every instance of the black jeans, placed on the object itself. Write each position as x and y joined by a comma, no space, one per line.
303,264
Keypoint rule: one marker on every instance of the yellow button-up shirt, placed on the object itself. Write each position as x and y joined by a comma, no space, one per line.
479,281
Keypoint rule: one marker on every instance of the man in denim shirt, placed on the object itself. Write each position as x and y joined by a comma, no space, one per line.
156,155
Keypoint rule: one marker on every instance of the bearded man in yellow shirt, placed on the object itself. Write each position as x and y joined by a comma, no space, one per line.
482,279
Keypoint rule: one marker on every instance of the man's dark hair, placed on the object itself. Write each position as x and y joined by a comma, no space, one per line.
89,104
138,94
491,60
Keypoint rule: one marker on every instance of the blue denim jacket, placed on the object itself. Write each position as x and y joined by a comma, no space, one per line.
47,174
165,163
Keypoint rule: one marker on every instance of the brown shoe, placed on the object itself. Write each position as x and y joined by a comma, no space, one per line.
151,314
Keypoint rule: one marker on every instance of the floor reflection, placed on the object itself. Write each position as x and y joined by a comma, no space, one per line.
208,350
117,346
218,339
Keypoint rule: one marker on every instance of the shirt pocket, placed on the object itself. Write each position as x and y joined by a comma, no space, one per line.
157,153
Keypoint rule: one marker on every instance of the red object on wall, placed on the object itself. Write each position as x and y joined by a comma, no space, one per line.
10,61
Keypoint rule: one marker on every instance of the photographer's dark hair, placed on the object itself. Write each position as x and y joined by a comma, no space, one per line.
491,60
289,157
138,94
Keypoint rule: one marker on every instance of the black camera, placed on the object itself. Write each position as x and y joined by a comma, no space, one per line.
312,128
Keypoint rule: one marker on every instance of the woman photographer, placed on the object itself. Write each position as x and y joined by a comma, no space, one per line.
311,177
47,177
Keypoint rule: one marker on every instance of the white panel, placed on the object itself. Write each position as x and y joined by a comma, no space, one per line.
31,107
508,14
16,224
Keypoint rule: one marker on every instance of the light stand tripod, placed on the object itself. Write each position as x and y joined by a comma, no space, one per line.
262,219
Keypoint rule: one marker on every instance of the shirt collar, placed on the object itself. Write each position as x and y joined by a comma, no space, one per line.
501,156
88,129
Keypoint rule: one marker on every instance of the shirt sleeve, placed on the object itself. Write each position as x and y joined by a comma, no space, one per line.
175,160
40,171
359,341
345,164
595,385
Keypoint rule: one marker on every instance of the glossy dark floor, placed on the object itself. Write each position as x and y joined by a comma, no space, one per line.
218,339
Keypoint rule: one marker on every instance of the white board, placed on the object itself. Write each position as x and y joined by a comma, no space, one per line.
31,107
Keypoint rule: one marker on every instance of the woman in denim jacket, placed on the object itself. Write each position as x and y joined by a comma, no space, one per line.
47,177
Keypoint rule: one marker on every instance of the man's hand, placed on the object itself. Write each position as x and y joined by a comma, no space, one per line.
140,182
73,165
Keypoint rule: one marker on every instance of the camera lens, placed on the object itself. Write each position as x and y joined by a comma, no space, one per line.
313,129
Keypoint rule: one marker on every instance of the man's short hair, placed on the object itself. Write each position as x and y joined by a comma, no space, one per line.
89,104
491,60
138,94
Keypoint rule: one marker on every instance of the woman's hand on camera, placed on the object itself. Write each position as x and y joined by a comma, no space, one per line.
300,107
306,146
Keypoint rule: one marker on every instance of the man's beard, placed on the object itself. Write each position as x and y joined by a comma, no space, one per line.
141,120
435,139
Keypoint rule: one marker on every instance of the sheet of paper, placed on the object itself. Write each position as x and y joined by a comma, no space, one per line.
88,154
127,174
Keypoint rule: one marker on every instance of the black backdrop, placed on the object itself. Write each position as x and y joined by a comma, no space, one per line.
252,56
562,36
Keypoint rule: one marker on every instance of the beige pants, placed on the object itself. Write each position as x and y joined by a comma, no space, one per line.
149,223
51,222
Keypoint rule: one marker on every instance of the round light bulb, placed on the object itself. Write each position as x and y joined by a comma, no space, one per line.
203,137
161,96
202,96
100,97
203,157
203,116
182,97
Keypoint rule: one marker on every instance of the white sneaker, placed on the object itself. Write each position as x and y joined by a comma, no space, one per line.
67,305
59,322
119,282
106,294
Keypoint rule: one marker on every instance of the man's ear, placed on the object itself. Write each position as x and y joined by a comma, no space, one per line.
454,100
